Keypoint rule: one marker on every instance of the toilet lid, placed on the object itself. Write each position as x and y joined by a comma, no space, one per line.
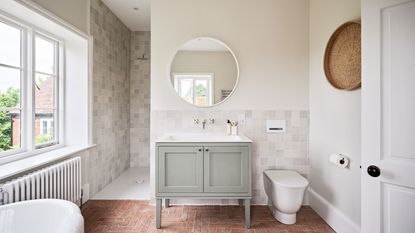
286,178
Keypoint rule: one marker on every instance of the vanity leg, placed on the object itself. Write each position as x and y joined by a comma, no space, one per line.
167,203
158,213
241,202
247,213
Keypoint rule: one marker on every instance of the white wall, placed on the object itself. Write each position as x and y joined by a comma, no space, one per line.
270,41
72,11
334,119
221,64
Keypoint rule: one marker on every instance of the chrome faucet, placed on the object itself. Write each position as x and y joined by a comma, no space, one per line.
204,122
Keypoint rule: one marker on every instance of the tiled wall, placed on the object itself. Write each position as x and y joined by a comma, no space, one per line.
140,100
287,150
111,95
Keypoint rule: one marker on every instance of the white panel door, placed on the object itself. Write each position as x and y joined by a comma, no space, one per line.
388,116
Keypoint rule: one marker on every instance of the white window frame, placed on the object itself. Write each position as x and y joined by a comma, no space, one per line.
56,84
23,88
210,77
28,145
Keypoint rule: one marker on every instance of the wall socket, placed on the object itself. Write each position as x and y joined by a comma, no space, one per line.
241,119
85,193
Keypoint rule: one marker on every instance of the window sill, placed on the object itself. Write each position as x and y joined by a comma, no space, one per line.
19,166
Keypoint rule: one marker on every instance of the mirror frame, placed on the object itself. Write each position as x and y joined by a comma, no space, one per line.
237,71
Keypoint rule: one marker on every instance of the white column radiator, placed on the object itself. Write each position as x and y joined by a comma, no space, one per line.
58,181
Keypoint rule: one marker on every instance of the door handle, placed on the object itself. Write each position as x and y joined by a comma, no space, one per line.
373,171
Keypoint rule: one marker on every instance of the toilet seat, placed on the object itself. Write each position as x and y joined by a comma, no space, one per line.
286,178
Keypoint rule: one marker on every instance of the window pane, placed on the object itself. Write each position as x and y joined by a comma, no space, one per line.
45,56
9,130
201,93
44,91
44,108
9,88
9,45
186,89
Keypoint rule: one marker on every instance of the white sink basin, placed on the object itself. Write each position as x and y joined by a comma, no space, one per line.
199,137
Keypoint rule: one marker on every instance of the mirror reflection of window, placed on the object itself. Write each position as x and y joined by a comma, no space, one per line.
192,70
195,88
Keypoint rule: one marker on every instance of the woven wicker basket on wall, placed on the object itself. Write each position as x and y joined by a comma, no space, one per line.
342,59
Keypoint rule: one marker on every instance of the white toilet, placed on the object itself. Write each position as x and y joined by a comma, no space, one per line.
285,190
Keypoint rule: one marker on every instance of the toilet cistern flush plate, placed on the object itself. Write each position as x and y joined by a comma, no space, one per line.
275,126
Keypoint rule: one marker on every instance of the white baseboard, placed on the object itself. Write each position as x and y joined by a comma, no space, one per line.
333,216
85,193
306,199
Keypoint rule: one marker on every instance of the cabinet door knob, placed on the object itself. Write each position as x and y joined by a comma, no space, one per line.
200,149
373,171
207,150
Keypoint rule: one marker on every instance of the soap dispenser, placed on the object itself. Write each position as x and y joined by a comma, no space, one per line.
228,127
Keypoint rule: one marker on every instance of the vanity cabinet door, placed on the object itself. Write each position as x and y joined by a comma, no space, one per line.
180,169
226,169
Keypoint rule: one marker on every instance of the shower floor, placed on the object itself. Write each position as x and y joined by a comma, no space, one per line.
133,184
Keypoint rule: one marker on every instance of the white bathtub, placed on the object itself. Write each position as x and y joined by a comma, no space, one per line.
41,216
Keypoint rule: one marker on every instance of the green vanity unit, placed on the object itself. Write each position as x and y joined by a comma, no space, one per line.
203,166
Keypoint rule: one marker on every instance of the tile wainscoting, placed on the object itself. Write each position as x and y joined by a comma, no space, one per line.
287,150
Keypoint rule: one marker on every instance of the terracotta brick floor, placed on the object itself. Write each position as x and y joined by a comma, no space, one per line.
139,216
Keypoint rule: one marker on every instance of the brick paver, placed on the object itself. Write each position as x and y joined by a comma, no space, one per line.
139,216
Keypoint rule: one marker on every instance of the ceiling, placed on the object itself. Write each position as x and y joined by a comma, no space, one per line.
137,19
203,44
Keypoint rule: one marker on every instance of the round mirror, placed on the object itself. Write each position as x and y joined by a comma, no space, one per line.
204,72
